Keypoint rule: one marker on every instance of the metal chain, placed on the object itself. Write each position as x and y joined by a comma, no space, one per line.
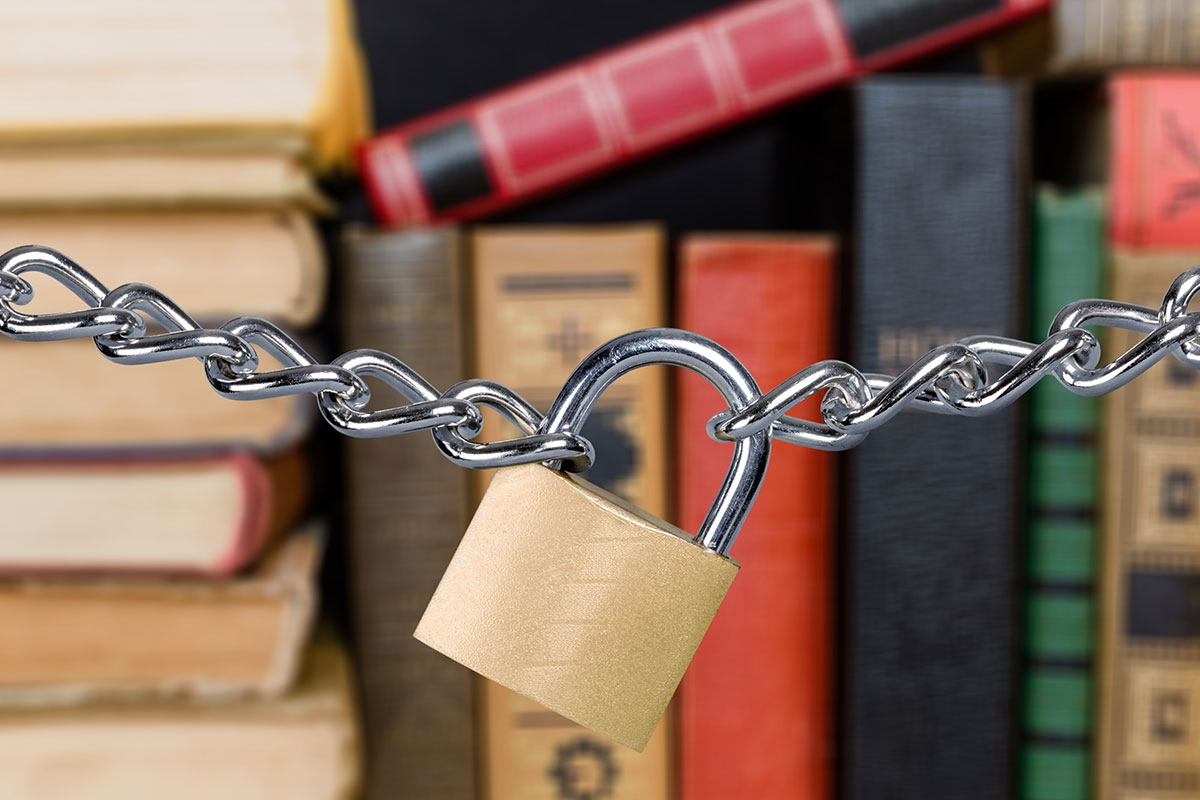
950,379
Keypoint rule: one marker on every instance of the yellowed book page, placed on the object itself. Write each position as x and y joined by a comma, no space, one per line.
77,68
216,265
148,176
68,639
65,397
302,746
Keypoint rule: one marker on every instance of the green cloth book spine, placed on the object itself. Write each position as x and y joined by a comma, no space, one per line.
1063,473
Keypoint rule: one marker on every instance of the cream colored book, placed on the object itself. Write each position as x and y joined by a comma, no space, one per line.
302,746
214,264
80,70
204,173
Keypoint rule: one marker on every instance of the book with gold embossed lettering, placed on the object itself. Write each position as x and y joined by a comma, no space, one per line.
1149,710
544,297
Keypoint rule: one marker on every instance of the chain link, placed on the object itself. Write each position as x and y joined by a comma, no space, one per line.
950,379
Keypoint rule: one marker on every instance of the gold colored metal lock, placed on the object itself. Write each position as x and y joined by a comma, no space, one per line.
572,597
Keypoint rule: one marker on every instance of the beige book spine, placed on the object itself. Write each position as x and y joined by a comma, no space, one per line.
545,297
1149,698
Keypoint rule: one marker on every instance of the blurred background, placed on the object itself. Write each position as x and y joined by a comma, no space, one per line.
203,598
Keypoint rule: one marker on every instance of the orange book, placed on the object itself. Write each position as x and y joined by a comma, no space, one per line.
760,687
1155,170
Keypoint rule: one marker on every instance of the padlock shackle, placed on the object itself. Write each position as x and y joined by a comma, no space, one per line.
679,348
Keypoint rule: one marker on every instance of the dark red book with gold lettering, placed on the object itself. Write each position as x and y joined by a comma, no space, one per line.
656,92
755,706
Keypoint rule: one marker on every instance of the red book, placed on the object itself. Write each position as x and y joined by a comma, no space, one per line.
755,706
656,92
1155,193
203,515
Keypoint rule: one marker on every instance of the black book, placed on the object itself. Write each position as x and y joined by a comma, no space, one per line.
930,561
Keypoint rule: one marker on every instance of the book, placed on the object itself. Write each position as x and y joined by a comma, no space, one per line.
600,112
73,401
205,515
544,297
200,173
1148,731
84,72
1063,496
299,746
407,508
214,264
761,682
933,502
1092,34
1155,160
67,640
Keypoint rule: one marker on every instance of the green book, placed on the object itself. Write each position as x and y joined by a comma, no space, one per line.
1056,713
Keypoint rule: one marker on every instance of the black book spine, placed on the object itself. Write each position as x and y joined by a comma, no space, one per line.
931,551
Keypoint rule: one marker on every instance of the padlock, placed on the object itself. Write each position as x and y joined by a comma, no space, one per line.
574,598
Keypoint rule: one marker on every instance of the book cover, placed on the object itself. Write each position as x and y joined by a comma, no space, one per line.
603,111
933,502
761,682
544,297
1155,164
405,293
1062,531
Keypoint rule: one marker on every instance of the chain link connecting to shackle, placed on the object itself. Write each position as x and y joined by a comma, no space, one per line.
950,379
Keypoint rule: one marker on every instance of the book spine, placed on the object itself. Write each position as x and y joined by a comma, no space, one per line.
761,681
1063,494
654,93
1149,705
933,501
407,508
544,298
1110,33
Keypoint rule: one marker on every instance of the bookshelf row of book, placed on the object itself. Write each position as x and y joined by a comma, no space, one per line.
958,606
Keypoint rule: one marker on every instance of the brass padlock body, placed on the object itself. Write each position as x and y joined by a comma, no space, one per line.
572,597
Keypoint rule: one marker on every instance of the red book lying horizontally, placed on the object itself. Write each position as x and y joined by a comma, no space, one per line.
755,706
648,95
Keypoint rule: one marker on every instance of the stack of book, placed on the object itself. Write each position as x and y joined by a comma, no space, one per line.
159,566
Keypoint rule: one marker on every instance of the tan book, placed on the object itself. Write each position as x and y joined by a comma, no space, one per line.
72,639
1149,703
63,398
544,298
302,746
199,173
77,70
215,264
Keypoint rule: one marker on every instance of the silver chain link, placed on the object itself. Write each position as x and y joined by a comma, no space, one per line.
950,379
